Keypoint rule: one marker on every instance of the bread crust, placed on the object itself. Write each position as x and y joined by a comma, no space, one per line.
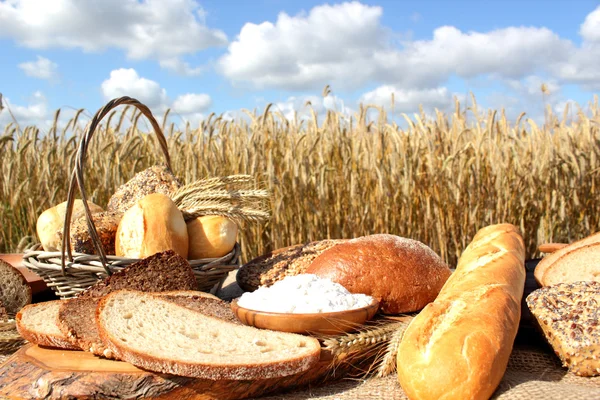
463,340
213,371
403,274
543,267
38,338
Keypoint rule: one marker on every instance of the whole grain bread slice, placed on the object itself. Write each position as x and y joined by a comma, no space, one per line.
3,314
76,317
37,323
15,292
136,325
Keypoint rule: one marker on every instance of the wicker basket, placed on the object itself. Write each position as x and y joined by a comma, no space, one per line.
70,273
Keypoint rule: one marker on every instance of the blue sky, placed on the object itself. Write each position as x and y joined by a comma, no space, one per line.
198,57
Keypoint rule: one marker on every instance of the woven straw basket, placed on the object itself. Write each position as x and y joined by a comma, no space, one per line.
70,273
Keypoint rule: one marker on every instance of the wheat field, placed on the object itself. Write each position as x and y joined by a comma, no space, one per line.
436,178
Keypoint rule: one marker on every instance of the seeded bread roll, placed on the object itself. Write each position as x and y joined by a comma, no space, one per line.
51,223
276,265
568,314
458,346
403,274
211,236
156,179
106,225
154,224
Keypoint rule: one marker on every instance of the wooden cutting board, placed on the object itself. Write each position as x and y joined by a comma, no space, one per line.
38,372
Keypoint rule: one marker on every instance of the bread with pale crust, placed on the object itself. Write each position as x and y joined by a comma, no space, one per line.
155,334
579,261
458,346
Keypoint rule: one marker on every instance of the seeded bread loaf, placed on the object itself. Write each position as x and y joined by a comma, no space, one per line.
579,261
37,324
15,292
156,179
158,335
51,223
77,317
158,273
458,346
403,274
568,315
106,225
274,266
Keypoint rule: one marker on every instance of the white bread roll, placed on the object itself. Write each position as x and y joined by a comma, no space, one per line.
51,223
154,224
211,236
459,345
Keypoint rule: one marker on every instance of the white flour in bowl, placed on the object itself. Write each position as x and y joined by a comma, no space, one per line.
303,294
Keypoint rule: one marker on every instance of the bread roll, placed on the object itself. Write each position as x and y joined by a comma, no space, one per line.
51,222
458,346
106,224
156,179
211,236
154,224
403,274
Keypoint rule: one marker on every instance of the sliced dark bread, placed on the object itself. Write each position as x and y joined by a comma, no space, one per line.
76,317
158,335
37,323
3,314
158,273
15,292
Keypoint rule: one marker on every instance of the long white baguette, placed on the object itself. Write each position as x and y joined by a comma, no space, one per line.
159,335
459,345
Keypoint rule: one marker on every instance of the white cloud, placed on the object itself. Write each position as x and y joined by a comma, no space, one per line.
43,68
590,29
408,101
300,106
127,82
163,30
33,113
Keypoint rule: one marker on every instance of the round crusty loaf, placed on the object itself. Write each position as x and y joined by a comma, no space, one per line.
154,224
106,224
458,346
403,274
156,179
211,236
52,221
15,292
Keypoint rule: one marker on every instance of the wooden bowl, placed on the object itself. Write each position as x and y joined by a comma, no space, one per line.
330,323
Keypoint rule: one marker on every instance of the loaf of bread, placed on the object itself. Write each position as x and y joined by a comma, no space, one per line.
276,265
567,314
579,261
15,292
156,179
403,274
158,335
151,225
51,222
3,313
211,236
37,324
106,224
458,346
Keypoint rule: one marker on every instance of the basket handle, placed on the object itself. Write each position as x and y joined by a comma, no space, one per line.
77,177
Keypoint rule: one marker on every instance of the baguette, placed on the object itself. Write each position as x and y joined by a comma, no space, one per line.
458,347
158,335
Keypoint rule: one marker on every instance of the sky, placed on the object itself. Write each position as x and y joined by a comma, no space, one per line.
221,56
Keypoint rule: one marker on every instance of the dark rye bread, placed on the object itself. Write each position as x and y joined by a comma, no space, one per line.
569,316
156,179
76,317
276,265
15,292
158,273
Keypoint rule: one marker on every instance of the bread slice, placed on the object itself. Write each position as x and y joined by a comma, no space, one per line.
542,270
158,273
155,334
580,264
37,323
15,292
567,313
76,317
